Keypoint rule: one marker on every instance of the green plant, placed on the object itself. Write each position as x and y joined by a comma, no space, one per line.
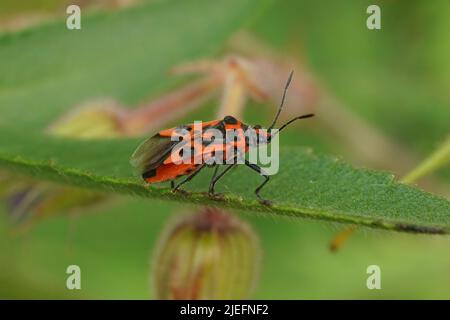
38,86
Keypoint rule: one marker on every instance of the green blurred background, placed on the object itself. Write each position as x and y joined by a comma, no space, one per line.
396,79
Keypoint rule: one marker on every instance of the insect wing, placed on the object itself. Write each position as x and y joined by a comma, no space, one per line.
151,153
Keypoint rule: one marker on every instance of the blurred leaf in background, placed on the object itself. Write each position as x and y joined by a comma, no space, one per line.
17,15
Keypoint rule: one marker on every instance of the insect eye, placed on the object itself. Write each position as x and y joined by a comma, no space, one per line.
230,120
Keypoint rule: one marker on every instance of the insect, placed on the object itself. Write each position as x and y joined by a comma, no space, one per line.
154,157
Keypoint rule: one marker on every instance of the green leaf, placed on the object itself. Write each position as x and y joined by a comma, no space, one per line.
124,55
307,185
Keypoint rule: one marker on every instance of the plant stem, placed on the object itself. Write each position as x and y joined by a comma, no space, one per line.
436,160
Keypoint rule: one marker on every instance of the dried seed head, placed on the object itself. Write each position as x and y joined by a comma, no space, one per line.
27,200
208,255
259,78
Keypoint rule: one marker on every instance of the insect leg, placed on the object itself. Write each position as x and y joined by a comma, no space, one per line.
216,178
266,179
192,175
216,169
172,184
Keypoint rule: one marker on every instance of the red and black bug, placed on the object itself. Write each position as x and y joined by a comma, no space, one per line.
154,157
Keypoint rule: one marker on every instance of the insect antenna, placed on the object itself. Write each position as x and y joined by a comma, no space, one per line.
295,119
282,100
281,107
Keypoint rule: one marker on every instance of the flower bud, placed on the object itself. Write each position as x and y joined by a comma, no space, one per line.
93,120
208,255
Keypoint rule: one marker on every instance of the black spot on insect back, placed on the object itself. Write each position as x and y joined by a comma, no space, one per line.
230,120
149,174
